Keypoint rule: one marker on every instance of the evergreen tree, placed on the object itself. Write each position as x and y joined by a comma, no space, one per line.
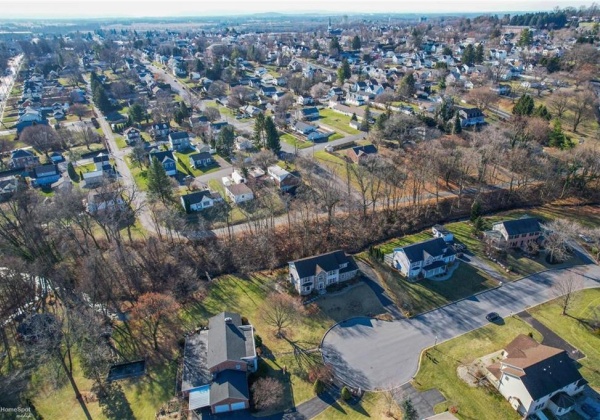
334,46
272,135
136,113
475,210
407,85
524,106
72,173
344,72
159,184
542,112
225,140
356,44
365,124
380,121
457,127
101,99
558,138
526,38
479,55
259,130
468,56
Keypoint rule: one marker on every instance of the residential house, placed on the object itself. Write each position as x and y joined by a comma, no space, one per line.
284,180
305,100
268,91
21,158
440,231
159,130
200,200
42,175
98,202
359,154
114,118
132,135
216,363
534,377
303,128
102,162
166,159
95,178
8,186
200,160
423,259
239,193
242,143
517,233
179,141
307,114
320,271
470,117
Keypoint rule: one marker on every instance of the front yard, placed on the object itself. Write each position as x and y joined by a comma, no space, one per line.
580,327
293,141
438,369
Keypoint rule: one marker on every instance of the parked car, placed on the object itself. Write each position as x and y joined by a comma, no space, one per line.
493,317
95,123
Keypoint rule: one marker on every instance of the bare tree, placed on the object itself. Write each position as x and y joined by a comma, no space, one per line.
280,311
558,234
152,311
564,289
40,136
212,113
581,106
267,393
482,98
559,103
78,110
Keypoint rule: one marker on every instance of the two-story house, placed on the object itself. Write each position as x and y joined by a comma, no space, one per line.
216,364
534,377
179,140
470,117
42,175
132,135
21,158
320,271
98,202
423,259
517,233
159,130
166,159
200,160
284,179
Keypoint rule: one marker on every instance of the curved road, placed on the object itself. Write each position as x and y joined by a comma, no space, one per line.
375,355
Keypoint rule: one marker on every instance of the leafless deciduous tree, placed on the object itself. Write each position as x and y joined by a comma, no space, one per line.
78,110
280,311
482,97
559,103
153,311
582,107
564,289
558,234
267,393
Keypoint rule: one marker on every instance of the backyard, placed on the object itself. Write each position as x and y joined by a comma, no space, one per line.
336,120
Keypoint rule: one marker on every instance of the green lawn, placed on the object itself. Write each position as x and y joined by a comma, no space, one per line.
577,328
335,136
120,140
293,141
424,295
139,175
373,405
337,121
439,371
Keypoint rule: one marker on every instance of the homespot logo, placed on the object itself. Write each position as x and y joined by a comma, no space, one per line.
19,411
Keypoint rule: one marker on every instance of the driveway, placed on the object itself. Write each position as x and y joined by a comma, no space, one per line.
550,338
374,355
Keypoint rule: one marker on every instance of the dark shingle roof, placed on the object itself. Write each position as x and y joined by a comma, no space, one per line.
18,153
195,370
195,197
520,226
178,135
226,340
229,384
368,149
307,267
200,156
422,250
161,156
310,111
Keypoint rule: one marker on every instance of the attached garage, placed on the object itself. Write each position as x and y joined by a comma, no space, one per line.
238,406
221,408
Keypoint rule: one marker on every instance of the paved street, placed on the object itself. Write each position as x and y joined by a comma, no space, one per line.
373,354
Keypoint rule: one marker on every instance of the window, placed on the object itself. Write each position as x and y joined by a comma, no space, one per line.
238,366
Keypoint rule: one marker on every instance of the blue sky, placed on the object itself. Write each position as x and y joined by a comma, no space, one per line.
142,8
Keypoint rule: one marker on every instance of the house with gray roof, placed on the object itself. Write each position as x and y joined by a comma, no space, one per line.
320,271
216,363
424,259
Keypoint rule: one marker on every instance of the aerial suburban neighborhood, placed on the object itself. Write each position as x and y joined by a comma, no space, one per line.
281,211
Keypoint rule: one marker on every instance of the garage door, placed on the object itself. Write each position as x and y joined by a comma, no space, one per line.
238,406
222,408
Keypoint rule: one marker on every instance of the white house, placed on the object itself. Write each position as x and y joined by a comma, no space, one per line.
440,231
424,259
320,271
200,200
104,201
239,193
533,377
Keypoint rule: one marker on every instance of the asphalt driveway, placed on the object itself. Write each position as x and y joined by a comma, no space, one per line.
374,355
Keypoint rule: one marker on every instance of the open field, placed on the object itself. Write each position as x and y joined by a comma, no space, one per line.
336,120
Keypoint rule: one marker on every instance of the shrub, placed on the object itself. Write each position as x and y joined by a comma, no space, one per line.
346,394
257,340
318,387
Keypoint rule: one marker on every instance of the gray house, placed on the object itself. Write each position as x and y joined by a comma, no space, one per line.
179,140
423,259
320,271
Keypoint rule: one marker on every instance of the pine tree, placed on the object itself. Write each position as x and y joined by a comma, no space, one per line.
558,138
72,173
479,55
272,135
259,130
159,184
101,99
226,140
365,124
407,85
457,127
356,44
524,106
542,112
468,56
344,72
